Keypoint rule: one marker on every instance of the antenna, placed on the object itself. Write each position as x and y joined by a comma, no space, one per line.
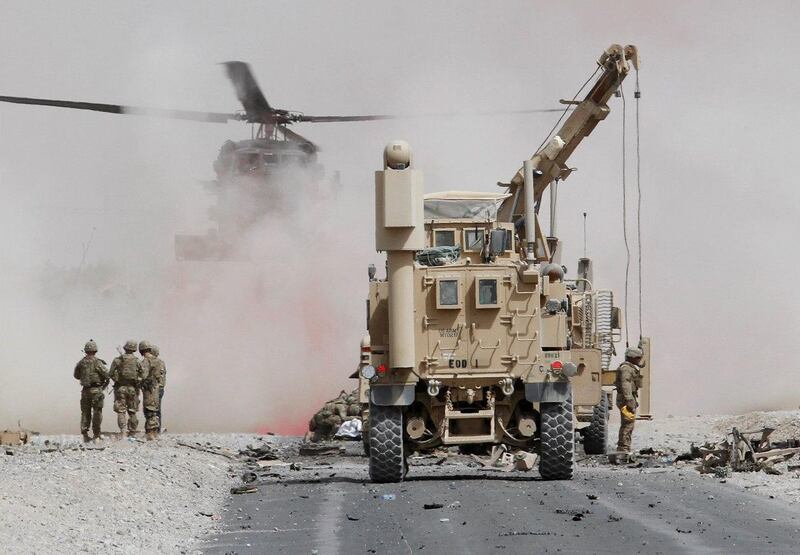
584,235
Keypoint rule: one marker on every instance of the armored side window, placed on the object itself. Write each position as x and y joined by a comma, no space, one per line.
473,239
509,240
444,238
486,293
447,294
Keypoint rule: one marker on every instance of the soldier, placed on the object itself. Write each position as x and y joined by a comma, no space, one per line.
93,375
154,376
162,384
324,424
127,372
628,382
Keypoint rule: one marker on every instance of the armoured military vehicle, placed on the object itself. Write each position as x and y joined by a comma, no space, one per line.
476,336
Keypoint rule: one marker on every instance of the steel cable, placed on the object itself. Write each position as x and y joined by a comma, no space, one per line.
564,113
625,215
637,94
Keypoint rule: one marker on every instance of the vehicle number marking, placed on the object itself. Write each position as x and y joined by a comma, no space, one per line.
448,332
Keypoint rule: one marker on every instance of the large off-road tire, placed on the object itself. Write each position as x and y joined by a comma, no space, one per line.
557,457
595,436
386,454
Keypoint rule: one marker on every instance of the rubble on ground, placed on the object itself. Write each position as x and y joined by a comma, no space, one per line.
743,452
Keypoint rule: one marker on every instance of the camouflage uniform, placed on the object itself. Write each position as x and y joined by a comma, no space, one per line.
325,423
628,382
154,377
162,384
93,375
127,372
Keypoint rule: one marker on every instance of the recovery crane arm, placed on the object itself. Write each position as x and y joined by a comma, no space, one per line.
615,64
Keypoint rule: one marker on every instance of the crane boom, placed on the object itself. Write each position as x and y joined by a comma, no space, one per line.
550,160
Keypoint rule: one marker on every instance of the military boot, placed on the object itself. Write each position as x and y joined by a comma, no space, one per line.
150,436
86,438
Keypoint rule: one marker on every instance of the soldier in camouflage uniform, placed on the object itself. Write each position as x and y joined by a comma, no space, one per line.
628,382
324,424
154,376
127,372
162,384
93,375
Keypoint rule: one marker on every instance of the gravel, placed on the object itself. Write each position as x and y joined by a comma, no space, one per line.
59,496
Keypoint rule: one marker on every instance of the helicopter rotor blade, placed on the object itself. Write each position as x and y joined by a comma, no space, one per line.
212,117
302,118
249,93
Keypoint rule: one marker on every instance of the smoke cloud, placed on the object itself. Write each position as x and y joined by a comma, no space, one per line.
91,202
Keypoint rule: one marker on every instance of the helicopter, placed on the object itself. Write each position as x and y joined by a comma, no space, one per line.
254,177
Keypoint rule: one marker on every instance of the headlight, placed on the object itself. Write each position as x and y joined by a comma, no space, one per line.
368,372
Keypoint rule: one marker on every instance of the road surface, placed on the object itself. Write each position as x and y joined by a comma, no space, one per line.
329,507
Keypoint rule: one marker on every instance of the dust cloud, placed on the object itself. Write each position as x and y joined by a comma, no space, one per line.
91,201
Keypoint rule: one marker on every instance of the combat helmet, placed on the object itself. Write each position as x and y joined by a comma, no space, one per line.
154,350
144,346
632,353
90,347
130,346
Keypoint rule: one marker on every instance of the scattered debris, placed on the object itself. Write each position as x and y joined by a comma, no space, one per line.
13,438
350,429
572,512
504,460
525,461
249,477
271,464
313,450
263,452
388,497
740,453
444,520
244,489
227,453
428,506
350,517
523,533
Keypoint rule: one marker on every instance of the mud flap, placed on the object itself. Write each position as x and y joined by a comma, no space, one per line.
392,395
548,392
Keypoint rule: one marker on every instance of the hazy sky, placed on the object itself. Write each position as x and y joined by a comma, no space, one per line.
718,169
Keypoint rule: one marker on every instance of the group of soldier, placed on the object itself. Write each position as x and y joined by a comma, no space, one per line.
130,376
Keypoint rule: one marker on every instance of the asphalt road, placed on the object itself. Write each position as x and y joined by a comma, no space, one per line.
329,507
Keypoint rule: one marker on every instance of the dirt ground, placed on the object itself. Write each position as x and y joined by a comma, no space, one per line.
131,496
